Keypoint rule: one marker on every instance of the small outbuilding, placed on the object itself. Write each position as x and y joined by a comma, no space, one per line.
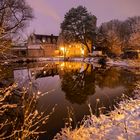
132,53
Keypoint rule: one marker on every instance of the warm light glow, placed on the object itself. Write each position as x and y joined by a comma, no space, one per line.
38,92
62,49
43,40
44,72
62,65
73,49
82,51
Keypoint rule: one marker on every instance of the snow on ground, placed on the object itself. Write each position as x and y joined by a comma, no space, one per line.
120,63
125,63
121,124
89,60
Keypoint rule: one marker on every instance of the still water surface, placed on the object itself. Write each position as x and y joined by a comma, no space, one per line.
72,86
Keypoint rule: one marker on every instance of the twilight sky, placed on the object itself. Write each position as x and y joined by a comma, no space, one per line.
50,13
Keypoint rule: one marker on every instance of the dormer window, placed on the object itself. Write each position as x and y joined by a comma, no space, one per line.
43,40
54,40
49,40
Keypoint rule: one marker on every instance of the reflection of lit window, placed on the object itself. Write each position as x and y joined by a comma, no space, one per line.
62,65
44,72
33,73
38,92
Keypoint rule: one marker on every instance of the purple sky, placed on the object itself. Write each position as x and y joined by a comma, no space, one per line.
50,13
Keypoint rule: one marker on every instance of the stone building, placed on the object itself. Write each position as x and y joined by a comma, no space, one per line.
42,46
19,50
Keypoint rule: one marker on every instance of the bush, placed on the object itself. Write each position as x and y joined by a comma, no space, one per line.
102,61
19,118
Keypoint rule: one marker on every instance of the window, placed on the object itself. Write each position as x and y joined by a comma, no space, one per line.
54,40
43,39
49,40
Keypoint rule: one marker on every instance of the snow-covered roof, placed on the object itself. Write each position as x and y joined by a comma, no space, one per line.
49,39
19,48
38,46
46,37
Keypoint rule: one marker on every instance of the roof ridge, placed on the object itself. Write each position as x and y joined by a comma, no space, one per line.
45,35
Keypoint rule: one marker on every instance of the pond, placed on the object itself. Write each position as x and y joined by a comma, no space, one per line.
72,86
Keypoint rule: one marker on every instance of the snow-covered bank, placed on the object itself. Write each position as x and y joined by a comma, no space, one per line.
90,60
125,63
121,124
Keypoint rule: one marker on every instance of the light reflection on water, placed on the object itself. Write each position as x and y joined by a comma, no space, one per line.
74,85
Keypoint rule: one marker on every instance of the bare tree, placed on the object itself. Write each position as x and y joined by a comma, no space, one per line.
132,32
109,37
115,36
14,16
20,118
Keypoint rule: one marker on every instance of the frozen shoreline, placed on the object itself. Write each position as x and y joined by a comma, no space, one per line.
121,124
125,63
134,64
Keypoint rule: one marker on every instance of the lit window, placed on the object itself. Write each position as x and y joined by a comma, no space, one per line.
43,40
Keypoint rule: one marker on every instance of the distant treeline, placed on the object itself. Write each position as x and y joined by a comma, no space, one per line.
116,36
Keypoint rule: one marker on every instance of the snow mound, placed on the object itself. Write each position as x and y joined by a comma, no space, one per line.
121,124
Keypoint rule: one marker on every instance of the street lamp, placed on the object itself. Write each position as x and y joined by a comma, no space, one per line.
63,49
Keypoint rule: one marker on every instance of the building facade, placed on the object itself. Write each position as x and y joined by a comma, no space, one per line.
42,46
73,50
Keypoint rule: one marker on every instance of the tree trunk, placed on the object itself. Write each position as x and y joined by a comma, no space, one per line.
87,47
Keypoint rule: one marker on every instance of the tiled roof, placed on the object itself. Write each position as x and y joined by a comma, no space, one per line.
46,37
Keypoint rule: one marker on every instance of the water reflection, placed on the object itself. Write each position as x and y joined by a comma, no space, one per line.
114,77
72,84
82,80
78,80
6,76
78,84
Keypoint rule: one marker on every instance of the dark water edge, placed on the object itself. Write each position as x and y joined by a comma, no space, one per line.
71,86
